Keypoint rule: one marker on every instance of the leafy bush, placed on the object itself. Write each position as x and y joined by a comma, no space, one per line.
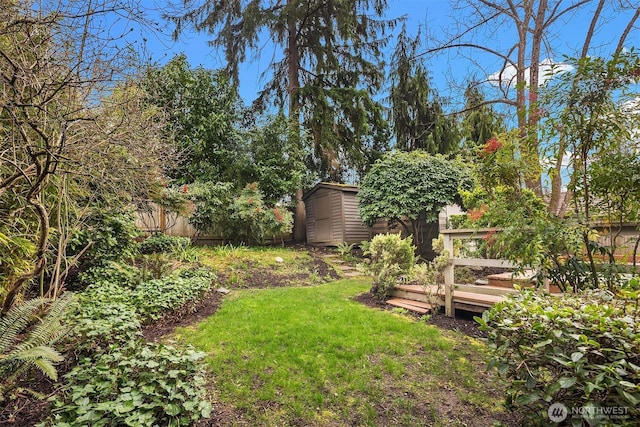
156,265
150,385
111,236
146,301
238,216
123,380
391,257
163,243
105,316
153,297
17,253
112,272
500,206
581,350
413,186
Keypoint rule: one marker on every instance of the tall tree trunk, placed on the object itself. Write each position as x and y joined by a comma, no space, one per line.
528,146
293,65
534,179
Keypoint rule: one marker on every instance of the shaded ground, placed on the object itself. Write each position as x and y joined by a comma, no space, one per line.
255,276
25,409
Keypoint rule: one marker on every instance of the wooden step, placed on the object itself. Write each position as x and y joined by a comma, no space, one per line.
483,300
417,306
418,289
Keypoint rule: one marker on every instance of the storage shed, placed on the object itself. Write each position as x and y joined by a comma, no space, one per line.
332,215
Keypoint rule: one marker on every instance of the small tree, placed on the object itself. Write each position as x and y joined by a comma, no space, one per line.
410,189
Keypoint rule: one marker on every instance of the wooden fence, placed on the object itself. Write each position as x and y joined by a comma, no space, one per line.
154,219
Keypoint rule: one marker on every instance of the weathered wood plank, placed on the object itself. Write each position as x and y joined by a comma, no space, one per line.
485,289
418,307
484,300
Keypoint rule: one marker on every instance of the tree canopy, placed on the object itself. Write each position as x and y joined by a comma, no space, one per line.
528,29
327,68
410,188
203,117
416,115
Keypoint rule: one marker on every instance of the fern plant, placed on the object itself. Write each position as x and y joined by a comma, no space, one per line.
27,334
345,249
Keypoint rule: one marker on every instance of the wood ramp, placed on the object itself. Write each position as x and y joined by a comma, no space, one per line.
423,299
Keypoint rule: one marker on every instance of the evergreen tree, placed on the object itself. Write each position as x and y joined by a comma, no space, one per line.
479,121
326,78
203,112
416,116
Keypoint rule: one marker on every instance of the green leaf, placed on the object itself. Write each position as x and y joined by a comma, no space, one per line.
172,409
566,382
205,409
124,407
631,398
628,384
526,399
47,368
576,356
543,343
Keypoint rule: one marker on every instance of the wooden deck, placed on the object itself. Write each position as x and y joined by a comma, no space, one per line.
464,297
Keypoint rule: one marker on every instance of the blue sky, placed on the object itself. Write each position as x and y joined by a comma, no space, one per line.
447,70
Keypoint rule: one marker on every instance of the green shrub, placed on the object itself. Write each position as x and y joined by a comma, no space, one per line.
156,265
163,243
111,236
112,272
391,257
148,385
581,350
240,216
153,297
147,300
457,220
106,315
123,380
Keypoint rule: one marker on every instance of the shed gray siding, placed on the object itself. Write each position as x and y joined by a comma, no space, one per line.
354,230
344,221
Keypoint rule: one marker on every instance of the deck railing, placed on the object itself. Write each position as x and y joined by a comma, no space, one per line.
449,236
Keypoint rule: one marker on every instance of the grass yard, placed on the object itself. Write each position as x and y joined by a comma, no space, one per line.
313,356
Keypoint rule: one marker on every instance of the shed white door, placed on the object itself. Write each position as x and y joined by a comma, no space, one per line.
323,218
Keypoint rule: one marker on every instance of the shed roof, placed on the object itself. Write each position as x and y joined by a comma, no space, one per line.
346,188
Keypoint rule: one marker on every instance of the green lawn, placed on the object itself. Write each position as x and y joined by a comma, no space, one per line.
313,356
